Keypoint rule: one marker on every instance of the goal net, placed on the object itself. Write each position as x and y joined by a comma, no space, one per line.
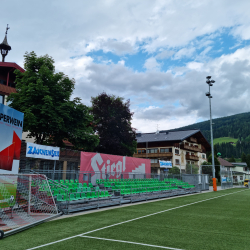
25,201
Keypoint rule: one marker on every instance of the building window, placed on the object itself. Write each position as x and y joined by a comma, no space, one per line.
203,156
1,99
141,151
154,160
177,151
241,178
192,162
177,161
165,150
152,150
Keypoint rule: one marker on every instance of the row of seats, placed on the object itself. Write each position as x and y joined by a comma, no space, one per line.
102,181
127,191
83,196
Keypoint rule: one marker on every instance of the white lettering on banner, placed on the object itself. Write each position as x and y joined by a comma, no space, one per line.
113,168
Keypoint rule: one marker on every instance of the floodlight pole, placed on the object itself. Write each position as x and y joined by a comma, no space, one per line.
208,94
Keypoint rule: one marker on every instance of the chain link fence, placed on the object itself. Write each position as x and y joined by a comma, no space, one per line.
226,178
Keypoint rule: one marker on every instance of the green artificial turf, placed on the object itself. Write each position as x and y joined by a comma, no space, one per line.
220,223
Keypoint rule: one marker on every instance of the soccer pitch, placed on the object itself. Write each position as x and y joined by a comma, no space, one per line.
217,220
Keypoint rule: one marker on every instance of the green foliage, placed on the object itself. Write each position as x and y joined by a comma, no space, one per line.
217,166
243,157
207,169
112,121
174,170
248,161
192,169
49,114
231,159
235,127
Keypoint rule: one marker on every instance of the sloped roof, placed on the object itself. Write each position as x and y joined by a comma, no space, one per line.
166,136
225,163
239,164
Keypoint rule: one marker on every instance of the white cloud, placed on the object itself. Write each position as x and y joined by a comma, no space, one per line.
151,64
184,52
164,54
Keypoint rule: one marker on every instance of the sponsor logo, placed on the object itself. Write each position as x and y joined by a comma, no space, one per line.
33,150
11,120
115,169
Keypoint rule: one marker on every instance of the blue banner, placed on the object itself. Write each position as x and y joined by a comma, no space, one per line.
165,164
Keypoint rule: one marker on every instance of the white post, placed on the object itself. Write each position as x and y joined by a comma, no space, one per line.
30,180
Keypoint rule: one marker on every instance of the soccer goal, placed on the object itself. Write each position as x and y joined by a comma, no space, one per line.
25,201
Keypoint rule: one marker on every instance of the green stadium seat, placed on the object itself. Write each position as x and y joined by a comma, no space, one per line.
78,196
83,196
76,181
107,194
59,198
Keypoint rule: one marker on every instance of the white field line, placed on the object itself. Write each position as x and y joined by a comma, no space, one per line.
130,242
54,242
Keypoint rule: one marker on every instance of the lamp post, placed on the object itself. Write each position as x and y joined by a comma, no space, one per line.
208,94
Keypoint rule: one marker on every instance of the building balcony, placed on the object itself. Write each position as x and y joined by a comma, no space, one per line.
155,165
153,155
183,146
192,157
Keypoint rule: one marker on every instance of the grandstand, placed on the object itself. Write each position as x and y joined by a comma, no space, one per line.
72,196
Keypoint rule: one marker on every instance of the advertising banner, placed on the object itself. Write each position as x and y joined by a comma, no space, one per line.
114,165
165,164
223,179
11,128
42,152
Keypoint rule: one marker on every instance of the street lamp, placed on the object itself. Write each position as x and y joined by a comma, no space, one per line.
208,94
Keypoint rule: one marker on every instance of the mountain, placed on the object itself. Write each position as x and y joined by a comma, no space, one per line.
235,126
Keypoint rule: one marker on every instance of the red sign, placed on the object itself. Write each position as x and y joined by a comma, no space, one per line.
114,165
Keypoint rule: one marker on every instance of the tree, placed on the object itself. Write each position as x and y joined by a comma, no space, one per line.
174,170
49,114
243,157
231,159
248,160
207,168
217,166
112,121
192,169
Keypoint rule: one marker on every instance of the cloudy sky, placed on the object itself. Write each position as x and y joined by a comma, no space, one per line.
157,53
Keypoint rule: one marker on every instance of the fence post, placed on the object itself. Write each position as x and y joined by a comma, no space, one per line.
30,180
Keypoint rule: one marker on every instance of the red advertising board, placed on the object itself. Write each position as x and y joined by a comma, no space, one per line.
11,126
101,164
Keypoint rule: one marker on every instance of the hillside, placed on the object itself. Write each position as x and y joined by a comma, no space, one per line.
234,126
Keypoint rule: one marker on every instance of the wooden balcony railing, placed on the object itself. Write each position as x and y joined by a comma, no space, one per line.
155,165
192,157
192,139
183,146
153,155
